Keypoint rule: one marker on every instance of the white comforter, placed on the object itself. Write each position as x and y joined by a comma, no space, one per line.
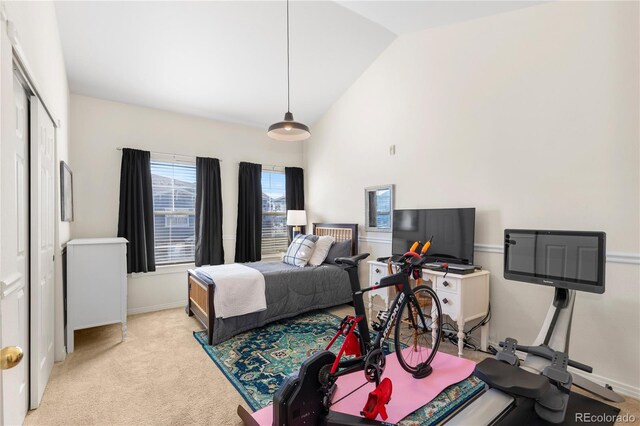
239,290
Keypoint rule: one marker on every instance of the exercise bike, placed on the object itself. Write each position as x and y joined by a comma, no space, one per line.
307,398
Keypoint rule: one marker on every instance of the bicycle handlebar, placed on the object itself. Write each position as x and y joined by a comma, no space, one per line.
412,258
426,246
409,259
547,353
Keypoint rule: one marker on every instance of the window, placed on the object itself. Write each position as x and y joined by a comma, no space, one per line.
274,213
174,201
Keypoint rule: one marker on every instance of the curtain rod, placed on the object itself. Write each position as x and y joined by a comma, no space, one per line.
193,157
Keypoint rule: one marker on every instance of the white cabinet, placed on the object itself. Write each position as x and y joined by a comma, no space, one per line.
96,284
463,297
380,298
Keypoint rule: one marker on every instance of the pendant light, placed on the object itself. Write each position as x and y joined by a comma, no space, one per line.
288,129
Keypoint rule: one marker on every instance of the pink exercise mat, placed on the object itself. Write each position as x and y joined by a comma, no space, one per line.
408,395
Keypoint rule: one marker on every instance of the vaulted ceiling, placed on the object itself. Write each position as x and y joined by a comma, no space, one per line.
226,60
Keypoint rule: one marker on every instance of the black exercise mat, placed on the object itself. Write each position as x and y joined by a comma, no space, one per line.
578,404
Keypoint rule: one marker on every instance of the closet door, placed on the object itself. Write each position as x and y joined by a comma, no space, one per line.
42,237
14,252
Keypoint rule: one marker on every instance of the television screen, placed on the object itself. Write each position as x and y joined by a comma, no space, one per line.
452,231
566,259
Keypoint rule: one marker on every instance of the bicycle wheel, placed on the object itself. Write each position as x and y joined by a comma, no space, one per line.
418,329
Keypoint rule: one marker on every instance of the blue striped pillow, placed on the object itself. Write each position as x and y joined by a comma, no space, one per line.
300,250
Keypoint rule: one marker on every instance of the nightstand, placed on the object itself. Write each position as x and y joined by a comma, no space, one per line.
463,298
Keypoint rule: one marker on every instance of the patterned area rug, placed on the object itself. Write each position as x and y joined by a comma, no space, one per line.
256,362
444,404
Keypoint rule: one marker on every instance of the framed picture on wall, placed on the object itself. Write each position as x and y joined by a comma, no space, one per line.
66,193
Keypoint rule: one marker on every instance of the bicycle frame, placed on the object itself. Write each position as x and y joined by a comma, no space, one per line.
401,281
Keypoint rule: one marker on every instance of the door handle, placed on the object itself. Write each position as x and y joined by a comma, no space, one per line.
10,357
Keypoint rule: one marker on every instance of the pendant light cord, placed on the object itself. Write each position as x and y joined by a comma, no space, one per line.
288,129
288,66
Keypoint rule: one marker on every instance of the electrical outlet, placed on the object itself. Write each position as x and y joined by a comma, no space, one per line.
392,149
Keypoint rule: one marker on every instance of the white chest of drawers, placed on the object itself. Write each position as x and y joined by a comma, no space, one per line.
96,284
380,298
463,297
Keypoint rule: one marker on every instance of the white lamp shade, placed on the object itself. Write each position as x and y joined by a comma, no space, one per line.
296,217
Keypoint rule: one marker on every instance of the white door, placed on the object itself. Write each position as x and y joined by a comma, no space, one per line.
42,234
14,231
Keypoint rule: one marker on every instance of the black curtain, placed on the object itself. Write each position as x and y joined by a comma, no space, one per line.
294,181
135,219
249,227
209,249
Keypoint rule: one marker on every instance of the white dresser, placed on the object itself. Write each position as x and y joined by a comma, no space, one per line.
463,297
380,298
96,284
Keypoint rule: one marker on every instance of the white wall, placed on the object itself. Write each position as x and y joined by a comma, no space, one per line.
39,39
530,116
99,127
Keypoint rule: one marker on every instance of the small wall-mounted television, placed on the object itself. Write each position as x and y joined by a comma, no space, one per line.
452,230
565,259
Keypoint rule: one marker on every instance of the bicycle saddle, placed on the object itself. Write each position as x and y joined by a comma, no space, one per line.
511,379
351,261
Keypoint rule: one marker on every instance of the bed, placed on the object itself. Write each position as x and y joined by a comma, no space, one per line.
290,290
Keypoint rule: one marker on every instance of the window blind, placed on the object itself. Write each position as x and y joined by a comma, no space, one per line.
274,213
174,198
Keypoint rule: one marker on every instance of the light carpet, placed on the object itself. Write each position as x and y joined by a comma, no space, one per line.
159,376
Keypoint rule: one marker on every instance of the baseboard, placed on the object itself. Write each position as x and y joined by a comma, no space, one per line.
59,357
154,308
618,387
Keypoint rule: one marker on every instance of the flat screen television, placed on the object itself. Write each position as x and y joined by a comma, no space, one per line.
564,259
452,230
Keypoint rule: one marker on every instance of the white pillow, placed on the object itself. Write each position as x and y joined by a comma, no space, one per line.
322,250
300,250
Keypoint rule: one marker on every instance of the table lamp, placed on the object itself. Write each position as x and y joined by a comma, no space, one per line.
296,218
